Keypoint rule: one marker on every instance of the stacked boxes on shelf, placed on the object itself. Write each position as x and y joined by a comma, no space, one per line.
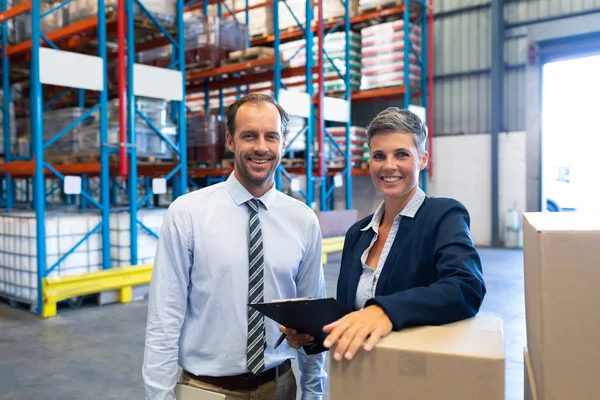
84,139
369,5
18,251
260,19
208,40
148,143
205,139
78,10
358,140
335,46
383,61
12,122
335,9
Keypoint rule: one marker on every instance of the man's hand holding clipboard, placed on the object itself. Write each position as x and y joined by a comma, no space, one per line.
305,316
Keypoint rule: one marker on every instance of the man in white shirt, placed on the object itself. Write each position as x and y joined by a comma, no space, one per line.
224,246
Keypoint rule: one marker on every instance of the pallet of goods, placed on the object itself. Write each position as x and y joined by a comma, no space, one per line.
383,61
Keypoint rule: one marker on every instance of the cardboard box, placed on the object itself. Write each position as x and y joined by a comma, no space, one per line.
562,271
530,389
459,361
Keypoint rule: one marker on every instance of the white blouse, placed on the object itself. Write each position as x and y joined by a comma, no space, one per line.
369,277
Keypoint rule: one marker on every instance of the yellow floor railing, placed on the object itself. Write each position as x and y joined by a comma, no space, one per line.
123,279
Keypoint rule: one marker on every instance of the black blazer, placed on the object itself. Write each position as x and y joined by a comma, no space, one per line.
433,273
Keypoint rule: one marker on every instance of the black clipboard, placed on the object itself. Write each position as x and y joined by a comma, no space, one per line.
305,316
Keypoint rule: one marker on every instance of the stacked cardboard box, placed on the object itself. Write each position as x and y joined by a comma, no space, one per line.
358,139
463,360
383,60
369,5
562,271
335,47
260,19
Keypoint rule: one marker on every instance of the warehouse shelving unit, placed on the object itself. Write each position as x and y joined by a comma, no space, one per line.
47,66
120,27
414,11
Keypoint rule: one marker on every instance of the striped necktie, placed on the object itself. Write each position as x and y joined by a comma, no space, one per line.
256,327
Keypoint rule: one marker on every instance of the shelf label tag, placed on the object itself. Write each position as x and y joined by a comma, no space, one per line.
72,184
338,181
159,185
295,185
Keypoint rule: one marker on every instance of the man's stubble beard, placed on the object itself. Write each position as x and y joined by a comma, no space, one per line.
245,174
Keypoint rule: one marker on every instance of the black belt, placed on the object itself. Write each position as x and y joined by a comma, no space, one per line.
247,381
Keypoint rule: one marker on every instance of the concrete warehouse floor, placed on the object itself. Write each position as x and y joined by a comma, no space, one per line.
96,352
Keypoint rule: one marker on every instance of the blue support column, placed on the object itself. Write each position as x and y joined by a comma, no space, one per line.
407,92
348,96
39,192
310,122
276,74
206,91
182,181
104,151
424,79
85,187
497,75
6,101
132,181
221,96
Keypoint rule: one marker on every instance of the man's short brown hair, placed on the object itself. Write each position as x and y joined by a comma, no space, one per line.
255,98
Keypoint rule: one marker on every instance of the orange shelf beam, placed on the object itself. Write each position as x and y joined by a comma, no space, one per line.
294,34
378,94
70,31
231,69
15,11
24,169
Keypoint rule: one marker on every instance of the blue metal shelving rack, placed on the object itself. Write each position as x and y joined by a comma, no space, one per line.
39,144
308,130
178,175
326,187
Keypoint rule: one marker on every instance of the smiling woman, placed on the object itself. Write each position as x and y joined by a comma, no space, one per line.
412,262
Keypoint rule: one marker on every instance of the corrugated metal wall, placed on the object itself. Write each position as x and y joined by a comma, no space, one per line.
462,60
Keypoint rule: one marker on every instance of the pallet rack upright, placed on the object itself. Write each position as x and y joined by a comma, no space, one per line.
168,84
49,60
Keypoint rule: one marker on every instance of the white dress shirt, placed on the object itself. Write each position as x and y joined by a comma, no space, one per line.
197,310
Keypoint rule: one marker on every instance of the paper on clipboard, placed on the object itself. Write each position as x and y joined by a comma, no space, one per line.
185,392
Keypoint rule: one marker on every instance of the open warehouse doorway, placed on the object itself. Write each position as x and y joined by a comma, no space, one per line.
570,164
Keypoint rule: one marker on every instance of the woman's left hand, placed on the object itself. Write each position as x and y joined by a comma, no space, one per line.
364,327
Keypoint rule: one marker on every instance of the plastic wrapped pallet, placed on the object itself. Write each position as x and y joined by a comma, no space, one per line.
18,252
12,122
296,124
335,46
120,239
205,138
203,41
208,40
370,5
358,138
148,143
56,121
382,62
260,19
163,11
335,9
82,9
51,22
